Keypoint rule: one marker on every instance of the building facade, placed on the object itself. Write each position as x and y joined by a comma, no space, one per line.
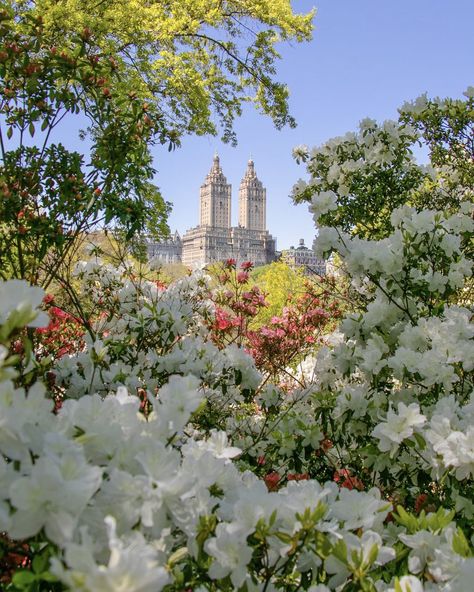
167,251
215,239
304,257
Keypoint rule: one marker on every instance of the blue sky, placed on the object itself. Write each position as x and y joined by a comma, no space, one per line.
367,57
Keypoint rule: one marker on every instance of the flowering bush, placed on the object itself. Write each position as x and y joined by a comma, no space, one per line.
357,180
237,304
174,464
279,344
167,500
63,335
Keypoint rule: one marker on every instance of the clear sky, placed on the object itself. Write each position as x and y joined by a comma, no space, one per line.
367,57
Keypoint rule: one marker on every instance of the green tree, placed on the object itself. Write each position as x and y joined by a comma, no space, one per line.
196,61
280,283
52,194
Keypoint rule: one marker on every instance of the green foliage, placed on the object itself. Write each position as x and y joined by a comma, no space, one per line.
133,74
280,283
50,193
193,60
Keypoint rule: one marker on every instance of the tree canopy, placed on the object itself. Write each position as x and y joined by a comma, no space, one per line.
196,61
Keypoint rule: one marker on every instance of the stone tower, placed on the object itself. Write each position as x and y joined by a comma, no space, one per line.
215,198
252,201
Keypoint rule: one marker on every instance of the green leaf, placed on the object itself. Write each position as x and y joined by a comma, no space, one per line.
420,441
461,544
178,555
47,576
31,129
373,554
284,537
340,551
23,578
40,563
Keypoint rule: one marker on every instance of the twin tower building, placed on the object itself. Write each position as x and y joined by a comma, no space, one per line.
215,239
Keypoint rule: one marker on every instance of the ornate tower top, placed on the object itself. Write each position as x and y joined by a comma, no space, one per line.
250,173
215,175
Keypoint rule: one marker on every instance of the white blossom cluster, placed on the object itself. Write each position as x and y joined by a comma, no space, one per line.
146,334
118,498
401,379
338,166
227,482
128,500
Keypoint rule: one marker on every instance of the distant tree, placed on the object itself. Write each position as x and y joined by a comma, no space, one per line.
280,283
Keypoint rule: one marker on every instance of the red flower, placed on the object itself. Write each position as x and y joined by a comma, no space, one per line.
326,444
223,320
298,476
246,265
420,502
230,263
344,478
272,480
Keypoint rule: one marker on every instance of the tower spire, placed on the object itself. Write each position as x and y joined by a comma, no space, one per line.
215,197
252,200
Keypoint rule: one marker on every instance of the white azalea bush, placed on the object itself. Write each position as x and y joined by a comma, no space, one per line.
150,459
110,499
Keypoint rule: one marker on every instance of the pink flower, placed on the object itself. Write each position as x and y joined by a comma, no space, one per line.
230,263
242,277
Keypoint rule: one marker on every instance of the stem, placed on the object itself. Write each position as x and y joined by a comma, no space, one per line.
2,145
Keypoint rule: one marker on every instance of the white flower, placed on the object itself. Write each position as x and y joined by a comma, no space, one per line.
398,426
327,239
357,509
469,92
240,360
217,444
457,450
423,545
353,398
373,354
175,402
408,584
132,567
464,577
24,418
322,203
300,152
53,495
360,551
299,187
417,106
231,554
19,299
